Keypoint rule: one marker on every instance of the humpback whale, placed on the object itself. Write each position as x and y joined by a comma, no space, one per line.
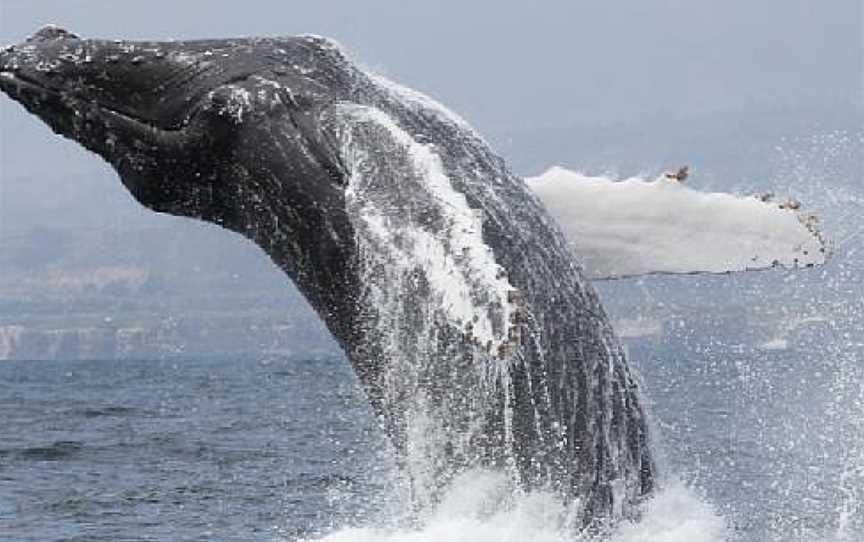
451,290
454,294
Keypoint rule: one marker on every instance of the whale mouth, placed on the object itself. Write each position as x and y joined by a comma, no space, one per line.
13,83
114,120
10,80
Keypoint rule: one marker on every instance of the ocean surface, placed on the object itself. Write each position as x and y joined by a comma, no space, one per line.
756,445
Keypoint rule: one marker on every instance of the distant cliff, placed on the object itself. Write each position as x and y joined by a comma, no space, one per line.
197,338
145,293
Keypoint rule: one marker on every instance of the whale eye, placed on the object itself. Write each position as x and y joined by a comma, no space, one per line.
51,32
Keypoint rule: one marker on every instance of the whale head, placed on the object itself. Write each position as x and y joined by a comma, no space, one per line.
170,117
225,131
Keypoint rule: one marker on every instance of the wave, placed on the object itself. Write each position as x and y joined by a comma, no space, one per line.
57,451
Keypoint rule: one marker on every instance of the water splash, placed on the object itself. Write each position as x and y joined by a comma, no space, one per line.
482,507
435,295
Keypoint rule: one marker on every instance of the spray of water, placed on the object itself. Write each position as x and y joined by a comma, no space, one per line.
481,506
484,506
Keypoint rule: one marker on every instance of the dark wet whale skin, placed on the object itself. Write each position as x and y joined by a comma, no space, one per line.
253,135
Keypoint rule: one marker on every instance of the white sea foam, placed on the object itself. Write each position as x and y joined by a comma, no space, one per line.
480,507
675,514
778,343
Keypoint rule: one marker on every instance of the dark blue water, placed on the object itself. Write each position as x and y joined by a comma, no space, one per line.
284,449
216,449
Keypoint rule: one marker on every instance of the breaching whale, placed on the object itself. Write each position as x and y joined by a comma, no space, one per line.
454,294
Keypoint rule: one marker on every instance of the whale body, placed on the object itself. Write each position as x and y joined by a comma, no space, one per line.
454,294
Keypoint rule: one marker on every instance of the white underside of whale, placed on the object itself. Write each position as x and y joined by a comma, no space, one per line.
622,228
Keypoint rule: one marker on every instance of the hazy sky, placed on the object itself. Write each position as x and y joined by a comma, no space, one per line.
502,65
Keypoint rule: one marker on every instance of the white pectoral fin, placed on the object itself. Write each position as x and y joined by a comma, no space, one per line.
636,227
